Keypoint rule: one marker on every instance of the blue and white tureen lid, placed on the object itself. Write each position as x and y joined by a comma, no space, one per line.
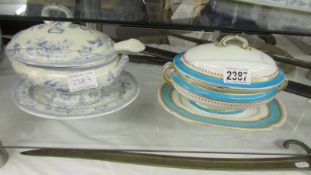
234,65
63,44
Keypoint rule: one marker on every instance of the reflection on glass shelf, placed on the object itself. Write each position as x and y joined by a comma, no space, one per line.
290,16
13,9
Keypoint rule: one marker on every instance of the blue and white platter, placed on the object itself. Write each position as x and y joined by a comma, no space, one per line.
92,103
264,117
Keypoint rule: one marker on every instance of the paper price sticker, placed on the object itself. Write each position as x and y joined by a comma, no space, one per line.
302,165
28,102
82,81
237,76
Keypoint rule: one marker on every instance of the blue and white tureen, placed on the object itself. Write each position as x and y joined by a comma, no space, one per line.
71,71
223,83
46,54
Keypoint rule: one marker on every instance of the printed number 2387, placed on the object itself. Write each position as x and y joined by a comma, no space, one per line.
236,75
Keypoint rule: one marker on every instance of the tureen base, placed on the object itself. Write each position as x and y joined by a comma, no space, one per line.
263,117
87,104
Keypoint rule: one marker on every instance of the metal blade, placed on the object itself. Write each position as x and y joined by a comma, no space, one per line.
289,163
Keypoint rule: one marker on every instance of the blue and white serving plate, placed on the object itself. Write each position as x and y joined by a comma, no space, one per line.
264,117
93,103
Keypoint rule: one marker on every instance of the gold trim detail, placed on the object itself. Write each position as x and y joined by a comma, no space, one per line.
222,119
227,90
205,100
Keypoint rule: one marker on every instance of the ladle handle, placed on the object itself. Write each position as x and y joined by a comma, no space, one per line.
132,45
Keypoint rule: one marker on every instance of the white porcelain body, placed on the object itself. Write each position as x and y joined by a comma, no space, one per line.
56,78
213,59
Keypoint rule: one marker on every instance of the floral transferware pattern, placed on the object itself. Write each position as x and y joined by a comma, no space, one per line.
91,103
60,44
56,78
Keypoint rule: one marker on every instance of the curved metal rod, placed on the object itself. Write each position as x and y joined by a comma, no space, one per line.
287,143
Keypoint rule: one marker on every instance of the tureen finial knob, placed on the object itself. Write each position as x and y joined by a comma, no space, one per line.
224,40
48,9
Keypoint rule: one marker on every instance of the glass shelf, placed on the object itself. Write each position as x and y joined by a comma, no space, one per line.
144,125
262,16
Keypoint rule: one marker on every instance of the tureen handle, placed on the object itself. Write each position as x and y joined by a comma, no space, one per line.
121,63
56,7
224,40
168,66
283,85
132,45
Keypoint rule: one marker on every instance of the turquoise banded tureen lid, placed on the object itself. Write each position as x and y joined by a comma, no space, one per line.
64,44
232,65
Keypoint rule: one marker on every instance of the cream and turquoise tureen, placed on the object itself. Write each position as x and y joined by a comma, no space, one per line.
227,84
